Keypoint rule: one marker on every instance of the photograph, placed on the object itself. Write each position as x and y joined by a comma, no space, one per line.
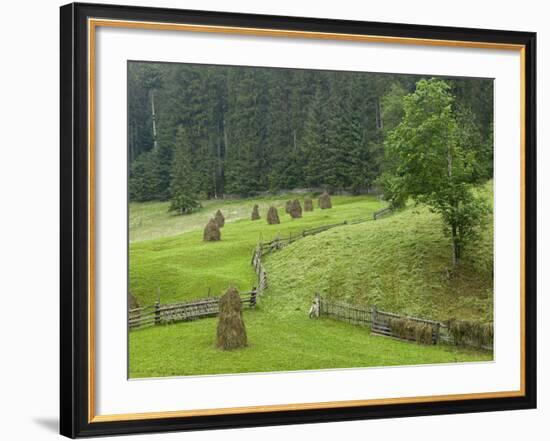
285,219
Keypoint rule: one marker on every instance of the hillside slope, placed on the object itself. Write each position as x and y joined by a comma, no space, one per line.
401,263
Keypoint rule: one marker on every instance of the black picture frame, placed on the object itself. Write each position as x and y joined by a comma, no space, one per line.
75,420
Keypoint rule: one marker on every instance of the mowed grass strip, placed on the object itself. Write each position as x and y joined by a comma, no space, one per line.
289,343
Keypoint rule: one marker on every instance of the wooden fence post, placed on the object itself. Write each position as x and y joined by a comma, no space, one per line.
253,297
157,307
318,299
315,310
436,339
374,316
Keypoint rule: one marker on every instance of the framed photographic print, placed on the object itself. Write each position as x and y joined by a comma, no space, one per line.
272,220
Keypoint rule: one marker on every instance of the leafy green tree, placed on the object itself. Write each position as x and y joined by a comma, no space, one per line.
433,166
183,186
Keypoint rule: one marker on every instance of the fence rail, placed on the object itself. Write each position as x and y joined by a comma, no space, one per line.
380,322
175,312
381,212
382,325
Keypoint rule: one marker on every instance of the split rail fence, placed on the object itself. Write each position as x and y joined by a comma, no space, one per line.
380,321
176,312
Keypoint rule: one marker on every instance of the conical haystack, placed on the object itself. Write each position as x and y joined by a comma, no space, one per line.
295,209
255,213
308,204
231,333
273,216
324,201
220,220
287,206
211,231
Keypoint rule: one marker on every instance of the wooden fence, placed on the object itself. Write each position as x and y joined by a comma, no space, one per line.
175,312
379,213
261,274
379,321
343,311
381,325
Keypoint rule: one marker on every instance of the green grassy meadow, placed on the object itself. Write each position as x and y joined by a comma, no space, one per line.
185,268
400,263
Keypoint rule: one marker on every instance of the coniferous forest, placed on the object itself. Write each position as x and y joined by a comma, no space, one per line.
217,131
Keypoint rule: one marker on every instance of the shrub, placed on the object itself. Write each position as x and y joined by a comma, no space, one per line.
308,204
220,220
255,213
295,209
324,201
231,333
211,231
273,216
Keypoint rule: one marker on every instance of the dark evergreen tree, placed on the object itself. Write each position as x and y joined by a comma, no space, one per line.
253,129
183,186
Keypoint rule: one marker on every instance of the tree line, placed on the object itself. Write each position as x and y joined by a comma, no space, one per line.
202,131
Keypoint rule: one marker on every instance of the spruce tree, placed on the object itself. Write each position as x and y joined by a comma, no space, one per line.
183,187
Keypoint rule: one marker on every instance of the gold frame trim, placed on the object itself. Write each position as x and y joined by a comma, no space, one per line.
92,25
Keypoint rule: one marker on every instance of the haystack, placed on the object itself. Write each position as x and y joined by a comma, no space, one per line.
308,204
273,216
231,333
220,220
287,206
211,231
255,213
324,201
295,209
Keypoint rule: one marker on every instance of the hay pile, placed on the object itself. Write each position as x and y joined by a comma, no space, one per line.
273,216
324,201
255,213
412,330
295,209
287,206
308,204
220,220
465,332
231,333
211,231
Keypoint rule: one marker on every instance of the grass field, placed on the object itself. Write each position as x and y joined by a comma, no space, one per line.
184,267
399,263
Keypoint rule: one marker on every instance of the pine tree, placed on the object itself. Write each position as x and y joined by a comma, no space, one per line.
183,185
